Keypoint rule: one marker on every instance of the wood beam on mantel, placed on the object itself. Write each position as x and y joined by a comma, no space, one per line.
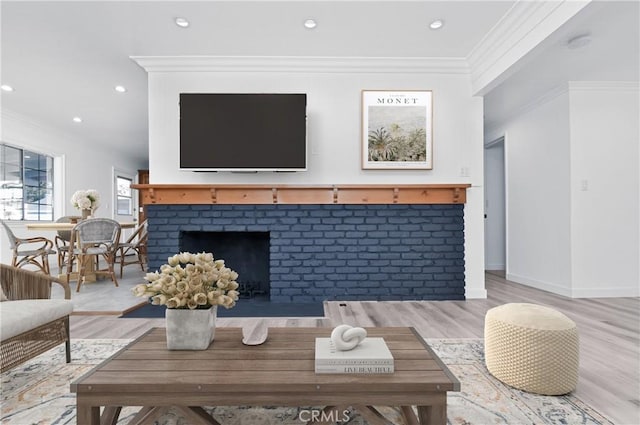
203,194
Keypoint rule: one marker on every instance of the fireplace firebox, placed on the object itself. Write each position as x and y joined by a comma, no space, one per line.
245,252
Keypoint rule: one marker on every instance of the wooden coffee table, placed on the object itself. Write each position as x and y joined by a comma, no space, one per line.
279,372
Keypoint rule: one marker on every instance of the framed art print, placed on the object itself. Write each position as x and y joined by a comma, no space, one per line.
397,129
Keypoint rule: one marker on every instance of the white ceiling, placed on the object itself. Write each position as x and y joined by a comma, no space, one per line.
612,55
64,58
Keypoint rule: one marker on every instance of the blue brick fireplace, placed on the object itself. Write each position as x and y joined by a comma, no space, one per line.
334,252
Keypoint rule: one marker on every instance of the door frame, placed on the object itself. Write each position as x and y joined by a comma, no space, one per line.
492,144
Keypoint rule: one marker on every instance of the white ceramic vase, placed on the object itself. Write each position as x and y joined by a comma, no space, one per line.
190,329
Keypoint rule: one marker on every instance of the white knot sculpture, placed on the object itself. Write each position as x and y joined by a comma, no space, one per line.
345,337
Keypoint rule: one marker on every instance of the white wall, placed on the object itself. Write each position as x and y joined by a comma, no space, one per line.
80,165
538,197
333,109
573,191
604,188
333,125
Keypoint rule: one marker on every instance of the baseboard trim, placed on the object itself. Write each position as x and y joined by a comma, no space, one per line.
475,293
135,307
538,284
615,292
603,292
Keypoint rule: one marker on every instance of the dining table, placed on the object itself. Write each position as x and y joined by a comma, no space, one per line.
69,226
90,275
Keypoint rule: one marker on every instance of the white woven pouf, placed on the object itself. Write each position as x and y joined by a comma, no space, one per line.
532,348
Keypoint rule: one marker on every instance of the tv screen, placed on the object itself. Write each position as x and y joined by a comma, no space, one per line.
243,132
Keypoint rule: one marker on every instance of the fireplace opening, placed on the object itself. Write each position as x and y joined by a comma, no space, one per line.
245,252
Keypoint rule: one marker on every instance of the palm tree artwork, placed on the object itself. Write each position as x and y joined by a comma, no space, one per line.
397,134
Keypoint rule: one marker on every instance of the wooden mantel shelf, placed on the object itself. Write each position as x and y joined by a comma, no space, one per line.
172,194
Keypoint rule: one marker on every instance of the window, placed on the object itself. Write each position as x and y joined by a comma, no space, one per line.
26,185
123,196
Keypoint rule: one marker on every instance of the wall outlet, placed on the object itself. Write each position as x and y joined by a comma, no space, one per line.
584,185
464,171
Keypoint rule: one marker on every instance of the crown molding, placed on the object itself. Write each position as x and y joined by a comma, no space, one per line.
521,29
27,121
604,85
546,97
565,88
58,132
308,64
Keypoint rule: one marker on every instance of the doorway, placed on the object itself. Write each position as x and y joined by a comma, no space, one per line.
495,205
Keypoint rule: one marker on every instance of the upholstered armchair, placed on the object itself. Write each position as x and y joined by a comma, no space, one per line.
30,321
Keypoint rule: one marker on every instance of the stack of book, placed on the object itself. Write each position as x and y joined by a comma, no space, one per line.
371,356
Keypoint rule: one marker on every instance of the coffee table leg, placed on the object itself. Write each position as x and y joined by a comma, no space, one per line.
409,416
328,416
147,415
197,415
433,415
371,415
110,415
87,414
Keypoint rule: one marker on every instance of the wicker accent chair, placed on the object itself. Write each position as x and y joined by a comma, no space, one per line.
26,253
31,323
136,246
62,240
94,238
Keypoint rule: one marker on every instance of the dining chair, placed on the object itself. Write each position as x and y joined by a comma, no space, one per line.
25,251
62,240
92,239
136,246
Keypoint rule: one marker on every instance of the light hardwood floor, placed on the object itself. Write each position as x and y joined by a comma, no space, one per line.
609,333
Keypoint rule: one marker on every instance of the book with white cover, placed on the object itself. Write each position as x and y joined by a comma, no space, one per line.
373,369
371,356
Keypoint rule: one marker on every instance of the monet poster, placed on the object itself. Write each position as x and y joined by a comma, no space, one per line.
397,130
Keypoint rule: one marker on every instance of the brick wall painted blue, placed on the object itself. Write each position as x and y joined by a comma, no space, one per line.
335,252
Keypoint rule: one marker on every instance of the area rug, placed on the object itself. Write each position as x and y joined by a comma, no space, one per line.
37,392
255,307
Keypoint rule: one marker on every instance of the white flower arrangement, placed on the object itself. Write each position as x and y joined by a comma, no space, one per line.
86,199
194,281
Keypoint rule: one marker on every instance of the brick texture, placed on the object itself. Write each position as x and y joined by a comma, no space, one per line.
335,252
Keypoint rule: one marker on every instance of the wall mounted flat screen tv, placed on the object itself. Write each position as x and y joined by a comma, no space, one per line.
243,132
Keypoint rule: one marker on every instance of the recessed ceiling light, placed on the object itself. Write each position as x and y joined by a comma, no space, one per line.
578,41
310,24
182,22
437,24
6,87
77,119
120,89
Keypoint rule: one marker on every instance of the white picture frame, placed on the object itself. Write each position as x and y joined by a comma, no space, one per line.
397,129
